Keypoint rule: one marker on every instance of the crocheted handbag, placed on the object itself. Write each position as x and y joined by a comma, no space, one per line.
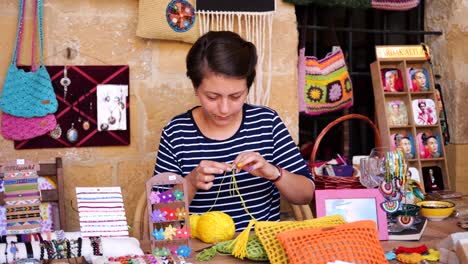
28,94
355,242
20,128
328,85
398,5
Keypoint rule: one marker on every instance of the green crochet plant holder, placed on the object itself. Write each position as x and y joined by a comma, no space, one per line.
255,250
28,94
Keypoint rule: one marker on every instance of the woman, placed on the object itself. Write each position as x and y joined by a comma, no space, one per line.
431,146
419,81
225,136
405,144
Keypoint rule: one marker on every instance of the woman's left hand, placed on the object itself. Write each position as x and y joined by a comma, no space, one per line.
255,164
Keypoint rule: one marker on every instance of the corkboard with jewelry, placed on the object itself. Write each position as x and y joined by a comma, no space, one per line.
93,107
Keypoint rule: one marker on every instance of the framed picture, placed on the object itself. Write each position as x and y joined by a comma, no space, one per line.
397,113
405,142
433,180
392,80
353,205
413,174
418,79
429,145
424,112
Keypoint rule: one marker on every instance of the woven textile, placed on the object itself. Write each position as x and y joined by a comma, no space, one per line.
169,20
22,202
28,94
20,128
355,242
328,85
267,232
400,5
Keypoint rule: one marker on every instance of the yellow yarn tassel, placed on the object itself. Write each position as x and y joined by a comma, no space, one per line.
240,243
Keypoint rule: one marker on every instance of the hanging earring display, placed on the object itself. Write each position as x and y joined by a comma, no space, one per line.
72,134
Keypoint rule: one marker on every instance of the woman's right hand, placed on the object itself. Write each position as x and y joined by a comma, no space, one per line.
202,177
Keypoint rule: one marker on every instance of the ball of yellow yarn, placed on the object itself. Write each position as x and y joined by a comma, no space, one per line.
193,225
213,227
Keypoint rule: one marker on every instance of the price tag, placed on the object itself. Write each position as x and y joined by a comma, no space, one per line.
172,178
20,162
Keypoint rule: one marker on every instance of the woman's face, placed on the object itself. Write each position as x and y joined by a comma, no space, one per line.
222,98
420,79
405,144
432,145
390,80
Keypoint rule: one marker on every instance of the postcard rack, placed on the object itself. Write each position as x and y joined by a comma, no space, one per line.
408,111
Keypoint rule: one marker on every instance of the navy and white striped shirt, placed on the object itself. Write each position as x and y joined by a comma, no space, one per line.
183,147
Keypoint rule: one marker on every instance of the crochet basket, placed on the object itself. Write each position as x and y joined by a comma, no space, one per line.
267,232
355,242
338,182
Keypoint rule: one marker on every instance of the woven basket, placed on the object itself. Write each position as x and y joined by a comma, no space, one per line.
338,182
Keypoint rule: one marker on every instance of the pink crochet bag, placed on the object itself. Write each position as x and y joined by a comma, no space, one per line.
21,128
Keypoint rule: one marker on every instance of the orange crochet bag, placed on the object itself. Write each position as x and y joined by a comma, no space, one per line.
267,231
356,242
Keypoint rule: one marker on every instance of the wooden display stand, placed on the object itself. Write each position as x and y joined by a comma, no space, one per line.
402,59
55,171
168,181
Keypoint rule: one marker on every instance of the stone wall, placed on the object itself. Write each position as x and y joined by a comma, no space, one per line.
450,60
103,32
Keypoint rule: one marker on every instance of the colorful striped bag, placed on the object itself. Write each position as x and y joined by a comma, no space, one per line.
328,86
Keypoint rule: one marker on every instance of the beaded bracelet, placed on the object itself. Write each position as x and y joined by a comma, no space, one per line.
6,251
41,244
13,250
49,248
96,245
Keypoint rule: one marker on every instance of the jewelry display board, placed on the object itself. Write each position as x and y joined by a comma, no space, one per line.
407,114
85,93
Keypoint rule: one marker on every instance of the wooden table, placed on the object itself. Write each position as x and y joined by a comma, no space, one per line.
434,233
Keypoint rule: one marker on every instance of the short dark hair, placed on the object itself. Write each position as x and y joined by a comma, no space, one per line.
425,137
223,53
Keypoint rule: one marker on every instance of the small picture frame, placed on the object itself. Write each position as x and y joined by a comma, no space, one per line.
424,112
404,142
429,145
353,205
397,113
418,79
433,180
392,80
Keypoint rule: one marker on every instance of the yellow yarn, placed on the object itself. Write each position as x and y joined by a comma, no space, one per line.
213,227
193,225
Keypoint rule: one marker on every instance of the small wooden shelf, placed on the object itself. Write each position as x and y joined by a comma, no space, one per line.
387,60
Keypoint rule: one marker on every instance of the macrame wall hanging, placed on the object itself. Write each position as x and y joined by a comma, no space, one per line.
253,20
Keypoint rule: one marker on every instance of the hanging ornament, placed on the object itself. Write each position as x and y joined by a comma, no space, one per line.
390,206
386,188
56,132
86,125
405,221
72,134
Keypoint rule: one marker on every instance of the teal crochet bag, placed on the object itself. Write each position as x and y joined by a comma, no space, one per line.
28,94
